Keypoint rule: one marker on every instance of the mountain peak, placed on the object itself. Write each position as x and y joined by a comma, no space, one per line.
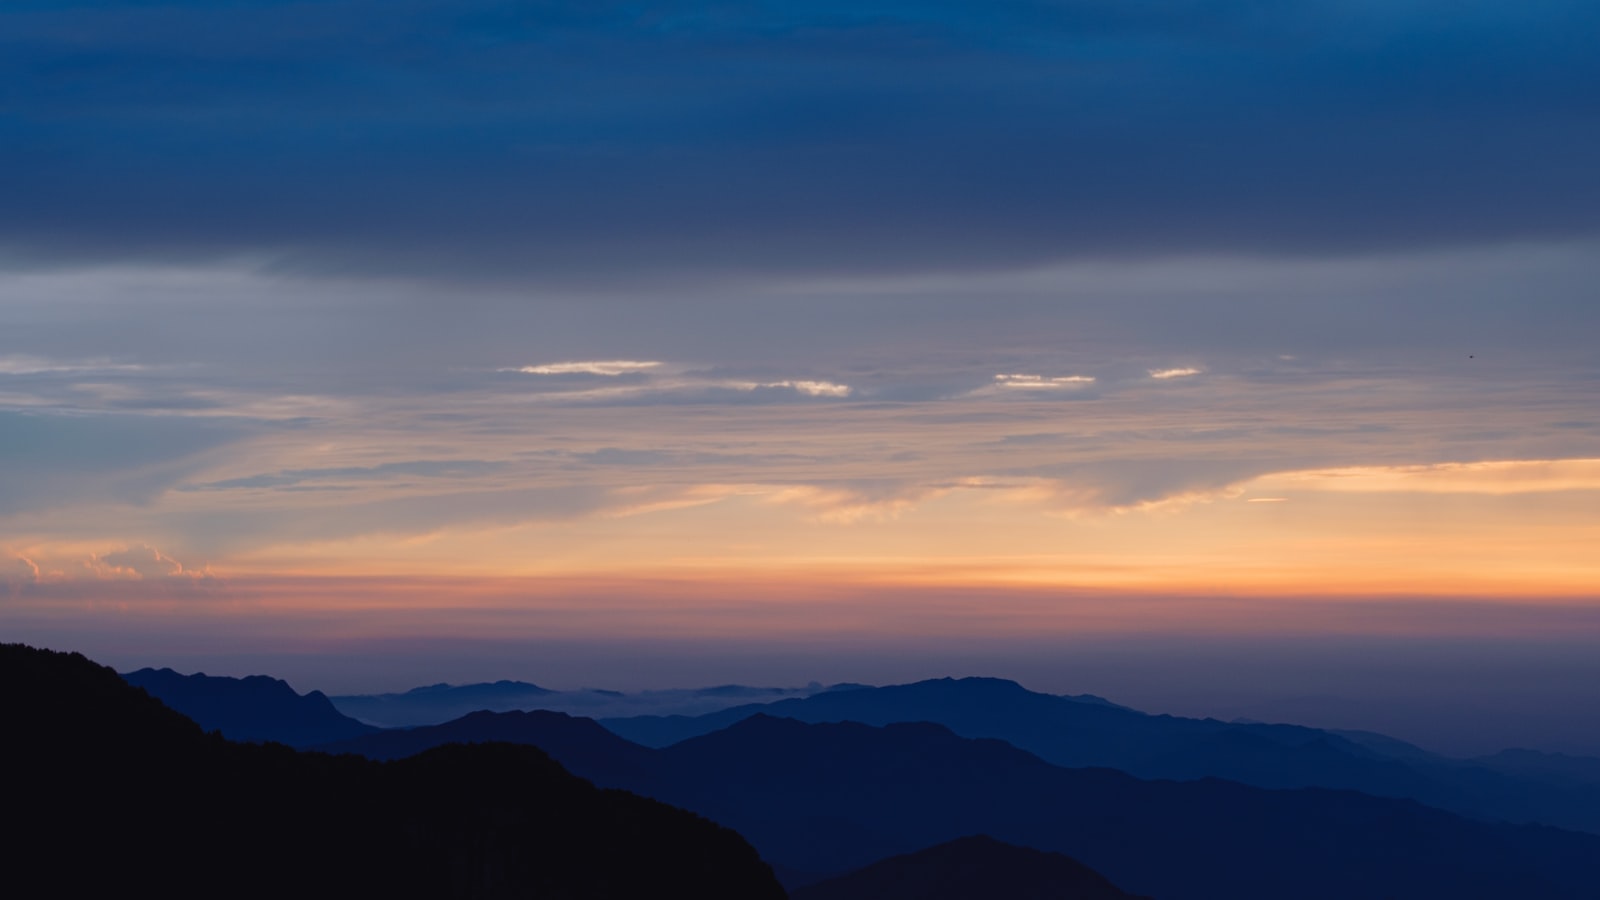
503,686
253,708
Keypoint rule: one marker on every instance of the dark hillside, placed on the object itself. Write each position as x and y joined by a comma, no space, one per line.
968,868
820,800
582,745
112,793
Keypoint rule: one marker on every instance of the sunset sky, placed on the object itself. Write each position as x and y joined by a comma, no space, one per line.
1232,358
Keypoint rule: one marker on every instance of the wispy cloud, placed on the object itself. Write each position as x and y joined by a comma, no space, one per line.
808,388
643,500
1501,477
689,389
650,381
609,367
1042,382
36,365
1165,374
59,461
18,569
426,468
136,561
845,504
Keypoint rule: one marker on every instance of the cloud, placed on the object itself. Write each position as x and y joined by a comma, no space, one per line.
1121,486
849,503
18,570
442,468
808,388
701,142
1164,374
35,365
1498,477
53,460
645,499
595,367
650,458
690,389
1041,382
653,381
138,561
1127,485
219,529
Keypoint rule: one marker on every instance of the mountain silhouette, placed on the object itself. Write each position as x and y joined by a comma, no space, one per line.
1068,731
1557,768
112,792
437,703
969,868
257,708
582,743
820,800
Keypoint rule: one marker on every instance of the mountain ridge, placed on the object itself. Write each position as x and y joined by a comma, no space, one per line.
823,799
1068,732
122,790
254,708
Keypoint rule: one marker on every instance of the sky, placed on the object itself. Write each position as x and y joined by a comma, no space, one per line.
1230,358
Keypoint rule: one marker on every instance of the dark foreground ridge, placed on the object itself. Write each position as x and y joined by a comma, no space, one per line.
968,868
112,793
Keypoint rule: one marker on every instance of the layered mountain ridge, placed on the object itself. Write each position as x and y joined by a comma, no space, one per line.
113,790
822,799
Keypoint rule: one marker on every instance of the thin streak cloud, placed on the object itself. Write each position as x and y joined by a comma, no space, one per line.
809,388
1041,382
594,367
1501,477
34,365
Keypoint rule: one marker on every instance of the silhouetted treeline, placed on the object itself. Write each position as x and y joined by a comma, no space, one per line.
110,793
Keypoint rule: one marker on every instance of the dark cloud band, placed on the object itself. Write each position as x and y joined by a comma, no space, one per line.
595,141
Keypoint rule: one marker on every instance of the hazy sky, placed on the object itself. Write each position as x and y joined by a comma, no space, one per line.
1239,357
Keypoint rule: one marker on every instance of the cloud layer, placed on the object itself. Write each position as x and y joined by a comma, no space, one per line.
489,137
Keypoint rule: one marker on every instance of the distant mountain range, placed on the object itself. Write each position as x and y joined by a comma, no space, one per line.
969,868
1519,786
112,792
255,709
1515,785
438,703
820,800
986,785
